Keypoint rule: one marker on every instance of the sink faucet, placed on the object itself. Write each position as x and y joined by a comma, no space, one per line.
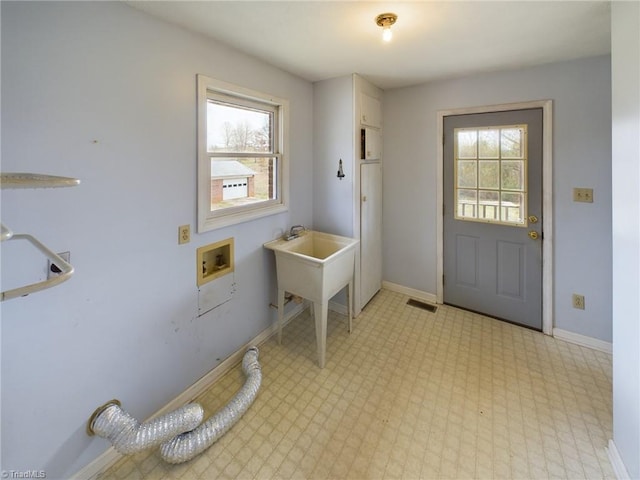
294,232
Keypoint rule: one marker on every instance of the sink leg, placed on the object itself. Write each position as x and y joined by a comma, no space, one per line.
320,310
280,314
350,304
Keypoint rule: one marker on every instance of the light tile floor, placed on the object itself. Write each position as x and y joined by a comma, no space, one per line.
410,394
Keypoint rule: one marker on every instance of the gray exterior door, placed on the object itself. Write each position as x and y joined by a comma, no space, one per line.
493,214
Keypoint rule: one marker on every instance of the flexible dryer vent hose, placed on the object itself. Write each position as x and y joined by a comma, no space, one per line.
128,436
187,445
180,432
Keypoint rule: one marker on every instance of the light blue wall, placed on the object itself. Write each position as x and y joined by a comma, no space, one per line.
333,138
625,60
125,325
581,91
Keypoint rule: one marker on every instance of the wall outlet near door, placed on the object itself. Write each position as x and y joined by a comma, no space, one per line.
578,301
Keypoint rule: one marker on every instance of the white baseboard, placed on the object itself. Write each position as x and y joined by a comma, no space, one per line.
411,292
583,340
110,456
616,462
99,465
337,307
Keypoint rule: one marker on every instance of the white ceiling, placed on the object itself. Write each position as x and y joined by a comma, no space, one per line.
432,40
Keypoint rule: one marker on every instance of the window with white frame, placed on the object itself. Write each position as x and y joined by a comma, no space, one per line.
242,146
491,174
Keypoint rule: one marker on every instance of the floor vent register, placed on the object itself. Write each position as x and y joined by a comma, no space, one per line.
425,306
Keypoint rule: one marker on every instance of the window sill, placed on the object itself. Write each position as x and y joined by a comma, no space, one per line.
213,223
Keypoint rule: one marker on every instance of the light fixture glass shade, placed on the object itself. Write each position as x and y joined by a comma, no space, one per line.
385,20
387,34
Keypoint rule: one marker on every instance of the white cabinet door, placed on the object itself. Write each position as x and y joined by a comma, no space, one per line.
370,231
370,111
371,145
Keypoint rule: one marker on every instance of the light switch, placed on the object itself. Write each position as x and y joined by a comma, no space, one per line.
584,195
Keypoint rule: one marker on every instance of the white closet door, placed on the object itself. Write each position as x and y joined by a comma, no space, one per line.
371,111
370,231
372,144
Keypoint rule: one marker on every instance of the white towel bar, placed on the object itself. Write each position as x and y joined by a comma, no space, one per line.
35,180
66,268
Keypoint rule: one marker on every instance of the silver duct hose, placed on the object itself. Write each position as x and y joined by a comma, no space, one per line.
187,445
180,432
130,436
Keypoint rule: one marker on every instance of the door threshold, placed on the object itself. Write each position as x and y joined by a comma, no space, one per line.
495,318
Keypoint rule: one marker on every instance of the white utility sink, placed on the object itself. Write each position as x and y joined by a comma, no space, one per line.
315,266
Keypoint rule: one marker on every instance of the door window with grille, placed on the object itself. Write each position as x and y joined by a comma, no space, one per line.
491,174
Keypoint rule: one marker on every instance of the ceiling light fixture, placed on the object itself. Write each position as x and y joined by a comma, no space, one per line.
385,20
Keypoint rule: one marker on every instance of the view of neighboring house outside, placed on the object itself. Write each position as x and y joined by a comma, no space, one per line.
230,180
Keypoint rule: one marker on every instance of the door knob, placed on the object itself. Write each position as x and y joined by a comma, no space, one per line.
533,235
533,219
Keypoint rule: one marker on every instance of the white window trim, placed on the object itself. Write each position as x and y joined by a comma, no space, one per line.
208,220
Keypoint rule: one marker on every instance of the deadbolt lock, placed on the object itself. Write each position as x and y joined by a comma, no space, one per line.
533,219
533,235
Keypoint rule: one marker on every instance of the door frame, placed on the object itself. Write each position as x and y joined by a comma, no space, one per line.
547,197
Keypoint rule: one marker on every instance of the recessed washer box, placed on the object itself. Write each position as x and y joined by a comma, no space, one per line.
214,260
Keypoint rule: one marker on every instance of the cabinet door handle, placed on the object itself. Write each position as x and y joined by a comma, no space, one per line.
364,198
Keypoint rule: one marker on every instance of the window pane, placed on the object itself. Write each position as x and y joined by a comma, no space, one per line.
488,143
467,174
467,200
512,207
488,205
242,181
513,175
467,143
232,128
511,143
489,174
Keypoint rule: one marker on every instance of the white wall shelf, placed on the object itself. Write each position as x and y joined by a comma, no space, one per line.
34,180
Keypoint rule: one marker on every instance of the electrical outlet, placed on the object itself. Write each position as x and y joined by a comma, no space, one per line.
52,269
184,234
584,195
578,301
